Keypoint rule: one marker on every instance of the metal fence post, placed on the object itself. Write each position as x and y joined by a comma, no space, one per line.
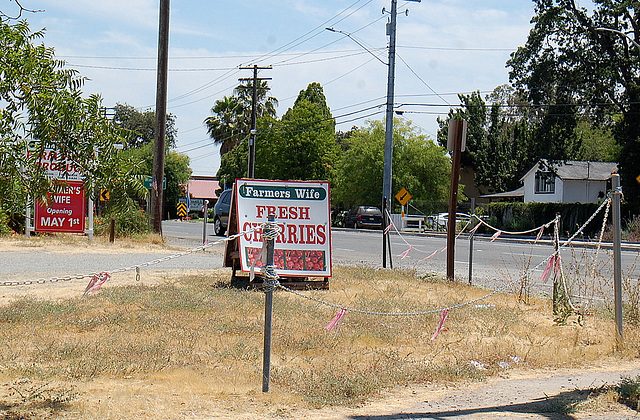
269,278
473,209
617,254
204,226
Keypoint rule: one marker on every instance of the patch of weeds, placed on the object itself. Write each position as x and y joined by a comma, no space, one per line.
28,400
30,309
629,392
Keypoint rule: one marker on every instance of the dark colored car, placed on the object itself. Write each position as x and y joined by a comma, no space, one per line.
221,213
363,217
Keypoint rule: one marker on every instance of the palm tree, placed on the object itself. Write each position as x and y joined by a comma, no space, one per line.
226,126
230,121
266,104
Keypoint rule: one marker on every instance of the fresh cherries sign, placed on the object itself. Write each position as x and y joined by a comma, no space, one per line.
302,212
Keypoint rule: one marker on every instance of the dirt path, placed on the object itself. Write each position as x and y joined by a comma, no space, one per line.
523,395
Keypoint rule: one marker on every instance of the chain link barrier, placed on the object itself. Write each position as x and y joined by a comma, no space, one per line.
459,305
136,267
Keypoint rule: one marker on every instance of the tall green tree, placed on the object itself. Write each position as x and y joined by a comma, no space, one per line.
42,107
586,60
300,146
499,146
419,165
140,131
139,126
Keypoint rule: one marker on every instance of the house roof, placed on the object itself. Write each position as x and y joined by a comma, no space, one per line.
515,193
203,187
579,170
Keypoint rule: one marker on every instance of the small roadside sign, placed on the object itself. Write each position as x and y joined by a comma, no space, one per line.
193,204
148,181
104,194
638,178
403,196
182,209
64,211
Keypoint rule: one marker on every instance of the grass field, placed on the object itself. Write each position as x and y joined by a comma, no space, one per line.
193,344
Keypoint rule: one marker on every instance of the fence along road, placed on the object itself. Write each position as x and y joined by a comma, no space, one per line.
494,263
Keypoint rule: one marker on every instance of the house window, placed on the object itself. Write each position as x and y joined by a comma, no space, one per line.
545,182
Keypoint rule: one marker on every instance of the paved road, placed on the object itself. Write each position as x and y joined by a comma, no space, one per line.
494,263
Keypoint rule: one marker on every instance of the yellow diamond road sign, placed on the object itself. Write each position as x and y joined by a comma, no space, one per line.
403,196
638,178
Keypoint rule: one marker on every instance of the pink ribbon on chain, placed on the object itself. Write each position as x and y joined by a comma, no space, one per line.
331,325
540,234
556,266
440,324
432,254
547,269
96,282
475,228
388,228
405,253
495,235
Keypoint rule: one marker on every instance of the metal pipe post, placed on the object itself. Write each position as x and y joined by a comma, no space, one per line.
473,209
617,255
268,306
204,225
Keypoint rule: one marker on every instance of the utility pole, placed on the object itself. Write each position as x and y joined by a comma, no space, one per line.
388,131
254,116
455,144
156,193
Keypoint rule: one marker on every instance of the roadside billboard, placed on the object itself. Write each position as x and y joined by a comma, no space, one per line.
302,210
65,211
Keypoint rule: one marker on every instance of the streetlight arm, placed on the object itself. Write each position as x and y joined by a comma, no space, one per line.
357,42
615,31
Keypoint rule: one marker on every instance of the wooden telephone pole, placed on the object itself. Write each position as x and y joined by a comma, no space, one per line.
157,194
254,115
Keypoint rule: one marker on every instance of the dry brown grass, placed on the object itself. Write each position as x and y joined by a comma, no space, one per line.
195,343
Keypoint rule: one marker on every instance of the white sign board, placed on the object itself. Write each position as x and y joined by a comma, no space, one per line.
302,211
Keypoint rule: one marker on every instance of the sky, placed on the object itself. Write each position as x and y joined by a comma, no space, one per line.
444,47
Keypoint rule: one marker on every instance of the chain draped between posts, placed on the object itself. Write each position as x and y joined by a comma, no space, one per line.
462,304
136,267
271,277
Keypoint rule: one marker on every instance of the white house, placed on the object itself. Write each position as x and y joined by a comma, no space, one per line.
568,182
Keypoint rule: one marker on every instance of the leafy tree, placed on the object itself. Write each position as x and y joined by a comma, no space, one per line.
597,144
499,147
570,64
419,165
140,126
176,170
231,119
43,108
300,146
